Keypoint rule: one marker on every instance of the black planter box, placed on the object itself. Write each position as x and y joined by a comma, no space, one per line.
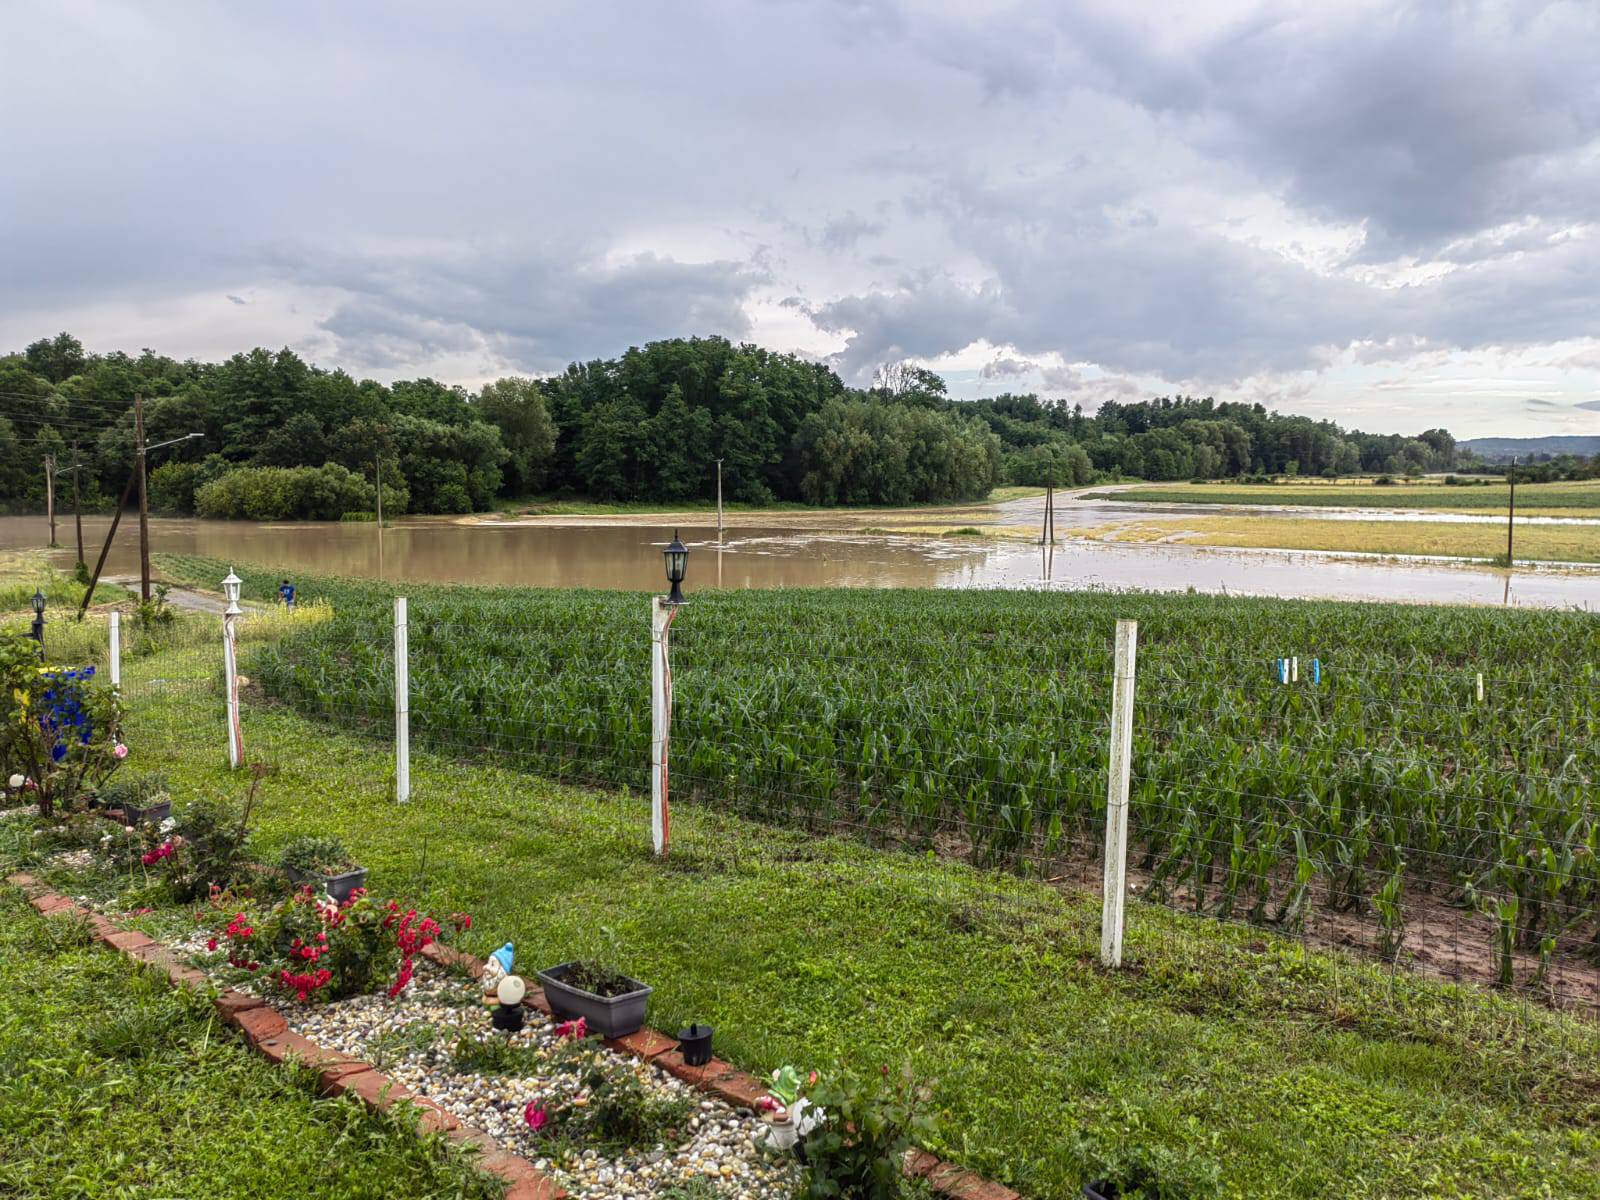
338,887
150,814
609,1016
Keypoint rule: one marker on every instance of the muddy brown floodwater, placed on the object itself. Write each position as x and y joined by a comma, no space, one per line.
615,554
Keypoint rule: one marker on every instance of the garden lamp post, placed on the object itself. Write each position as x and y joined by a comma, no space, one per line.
38,619
662,610
677,556
230,659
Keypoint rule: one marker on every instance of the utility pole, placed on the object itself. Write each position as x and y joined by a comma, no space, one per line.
77,504
1511,512
144,498
719,499
378,464
50,495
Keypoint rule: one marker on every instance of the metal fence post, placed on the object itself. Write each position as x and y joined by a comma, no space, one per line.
402,702
660,718
230,662
114,654
1115,893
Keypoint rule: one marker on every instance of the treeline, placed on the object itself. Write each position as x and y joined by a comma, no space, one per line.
281,438
1180,438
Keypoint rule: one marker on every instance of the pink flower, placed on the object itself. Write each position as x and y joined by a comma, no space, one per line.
536,1116
576,1030
768,1104
119,751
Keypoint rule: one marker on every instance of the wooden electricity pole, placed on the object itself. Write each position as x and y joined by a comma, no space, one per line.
719,498
77,504
50,495
144,498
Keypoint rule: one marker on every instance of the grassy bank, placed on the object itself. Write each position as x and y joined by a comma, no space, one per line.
1534,499
1534,543
113,1085
571,507
22,572
1233,1062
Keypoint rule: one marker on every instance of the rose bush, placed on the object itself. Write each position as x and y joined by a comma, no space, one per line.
319,950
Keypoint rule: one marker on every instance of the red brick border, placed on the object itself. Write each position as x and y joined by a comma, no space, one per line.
267,1030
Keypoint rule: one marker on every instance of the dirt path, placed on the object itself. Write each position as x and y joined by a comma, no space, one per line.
186,599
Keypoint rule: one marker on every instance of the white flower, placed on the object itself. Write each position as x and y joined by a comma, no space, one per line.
167,826
807,1116
17,781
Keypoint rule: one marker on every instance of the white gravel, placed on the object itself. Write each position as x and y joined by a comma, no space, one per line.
720,1144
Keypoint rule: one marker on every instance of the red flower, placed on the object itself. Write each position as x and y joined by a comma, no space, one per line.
576,1030
536,1116
211,943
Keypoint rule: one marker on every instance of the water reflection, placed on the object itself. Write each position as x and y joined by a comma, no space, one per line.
617,556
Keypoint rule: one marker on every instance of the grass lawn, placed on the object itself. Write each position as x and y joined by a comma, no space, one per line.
1534,543
549,506
1579,499
24,571
113,1085
1234,1063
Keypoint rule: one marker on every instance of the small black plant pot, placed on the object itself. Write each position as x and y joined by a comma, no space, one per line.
1101,1189
338,887
609,1016
694,1043
151,814
508,1018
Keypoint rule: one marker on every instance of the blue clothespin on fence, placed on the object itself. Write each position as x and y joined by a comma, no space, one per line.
1283,670
1316,671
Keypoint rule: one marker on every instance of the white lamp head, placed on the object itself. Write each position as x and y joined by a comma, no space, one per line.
231,585
511,990
16,782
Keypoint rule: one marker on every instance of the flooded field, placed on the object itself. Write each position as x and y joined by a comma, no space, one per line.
619,554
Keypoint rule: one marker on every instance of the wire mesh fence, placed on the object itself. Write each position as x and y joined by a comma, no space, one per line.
1441,821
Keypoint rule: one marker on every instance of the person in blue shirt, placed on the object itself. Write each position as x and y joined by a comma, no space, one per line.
286,591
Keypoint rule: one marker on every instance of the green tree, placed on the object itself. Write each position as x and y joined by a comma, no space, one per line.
516,407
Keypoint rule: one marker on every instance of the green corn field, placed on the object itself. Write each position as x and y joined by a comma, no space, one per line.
976,723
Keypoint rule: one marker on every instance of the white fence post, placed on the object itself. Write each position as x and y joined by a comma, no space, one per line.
660,719
1115,893
402,702
114,655
230,662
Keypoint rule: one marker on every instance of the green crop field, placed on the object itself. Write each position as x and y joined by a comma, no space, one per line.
1575,498
976,723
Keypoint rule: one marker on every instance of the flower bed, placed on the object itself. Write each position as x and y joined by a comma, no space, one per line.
434,1038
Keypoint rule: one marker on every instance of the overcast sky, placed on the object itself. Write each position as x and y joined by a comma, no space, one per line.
1382,213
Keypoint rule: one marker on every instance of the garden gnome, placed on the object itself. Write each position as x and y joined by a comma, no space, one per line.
496,969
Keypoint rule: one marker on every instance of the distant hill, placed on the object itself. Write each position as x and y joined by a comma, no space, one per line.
1501,449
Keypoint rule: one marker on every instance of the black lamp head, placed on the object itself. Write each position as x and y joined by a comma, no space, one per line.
38,602
677,556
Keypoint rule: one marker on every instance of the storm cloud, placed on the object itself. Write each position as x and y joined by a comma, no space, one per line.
1273,201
